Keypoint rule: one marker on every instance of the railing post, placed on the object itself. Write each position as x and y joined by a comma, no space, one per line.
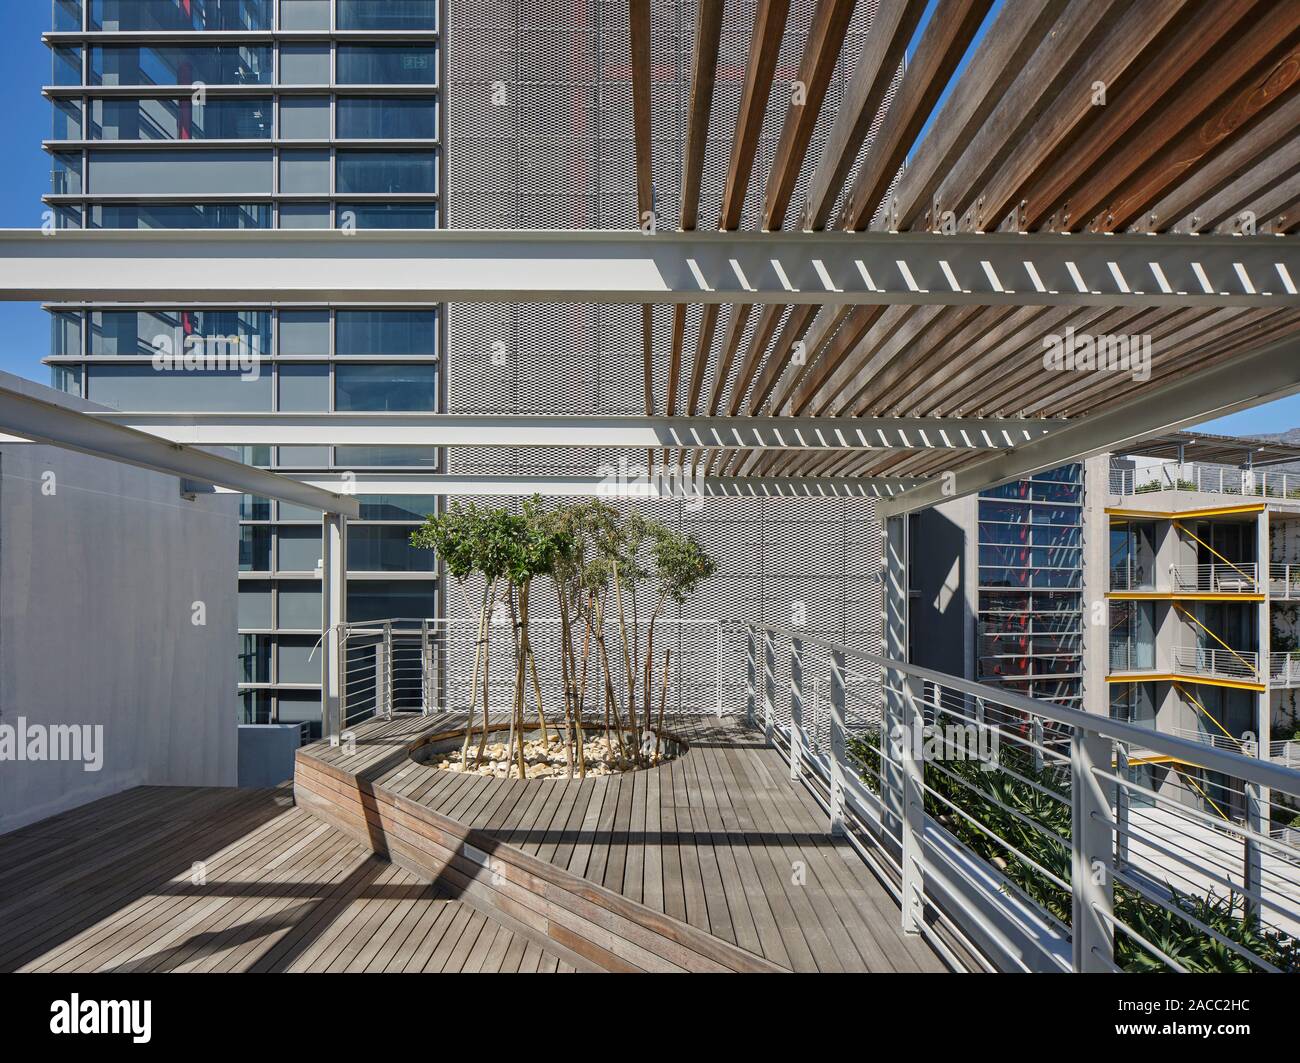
751,677
1122,801
334,541
796,707
384,673
1091,859
769,685
913,824
839,750
426,669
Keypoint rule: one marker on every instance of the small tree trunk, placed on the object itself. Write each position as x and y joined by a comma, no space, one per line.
627,656
663,696
487,653
473,693
516,746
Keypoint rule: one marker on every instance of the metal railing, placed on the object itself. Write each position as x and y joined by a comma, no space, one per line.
1284,580
1284,668
1214,479
1216,578
1035,836
1130,577
426,665
1217,663
1132,657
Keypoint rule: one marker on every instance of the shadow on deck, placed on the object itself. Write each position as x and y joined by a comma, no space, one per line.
714,861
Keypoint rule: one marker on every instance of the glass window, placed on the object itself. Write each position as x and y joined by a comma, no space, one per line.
288,511
396,507
66,378
255,659
305,172
142,389
305,332
388,215
65,334
305,15
254,605
299,549
180,15
386,332
387,64
386,549
122,64
189,173
305,216
305,118
299,606
305,64
385,387
219,118
144,332
393,172
387,14
67,120
299,707
254,549
67,16
298,661
304,388
254,507
304,458
259,456
387,118
386,457
180,216
65,66
65,175
255,707
384,599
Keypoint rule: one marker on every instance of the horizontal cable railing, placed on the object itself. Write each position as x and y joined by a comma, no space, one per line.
1284,580
1041,837
427,665
1213,479
1217,578
1217,663
1132,657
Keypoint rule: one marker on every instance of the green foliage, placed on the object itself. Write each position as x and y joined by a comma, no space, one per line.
680,564
964,784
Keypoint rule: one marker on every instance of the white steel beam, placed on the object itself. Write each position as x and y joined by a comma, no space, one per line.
1269,373
580,430
824,268
611,485
34,420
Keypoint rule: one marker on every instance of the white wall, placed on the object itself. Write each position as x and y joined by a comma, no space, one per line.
97,586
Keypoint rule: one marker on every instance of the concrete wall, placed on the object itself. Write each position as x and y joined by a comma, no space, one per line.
101,565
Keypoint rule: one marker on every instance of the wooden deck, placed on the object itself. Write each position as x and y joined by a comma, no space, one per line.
713,861
111,886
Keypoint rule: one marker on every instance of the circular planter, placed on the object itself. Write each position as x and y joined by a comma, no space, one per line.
436,750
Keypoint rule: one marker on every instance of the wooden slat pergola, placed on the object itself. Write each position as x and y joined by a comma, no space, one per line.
1063,116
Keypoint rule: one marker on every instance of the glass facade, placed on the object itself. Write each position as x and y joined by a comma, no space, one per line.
124,158
1030,622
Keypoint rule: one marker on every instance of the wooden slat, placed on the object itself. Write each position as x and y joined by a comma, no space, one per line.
943,42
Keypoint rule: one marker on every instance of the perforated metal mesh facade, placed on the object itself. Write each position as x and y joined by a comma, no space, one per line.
540,135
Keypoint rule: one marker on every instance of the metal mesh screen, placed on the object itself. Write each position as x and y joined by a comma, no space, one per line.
539,112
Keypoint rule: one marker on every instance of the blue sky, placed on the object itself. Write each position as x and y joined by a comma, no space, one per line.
24,176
